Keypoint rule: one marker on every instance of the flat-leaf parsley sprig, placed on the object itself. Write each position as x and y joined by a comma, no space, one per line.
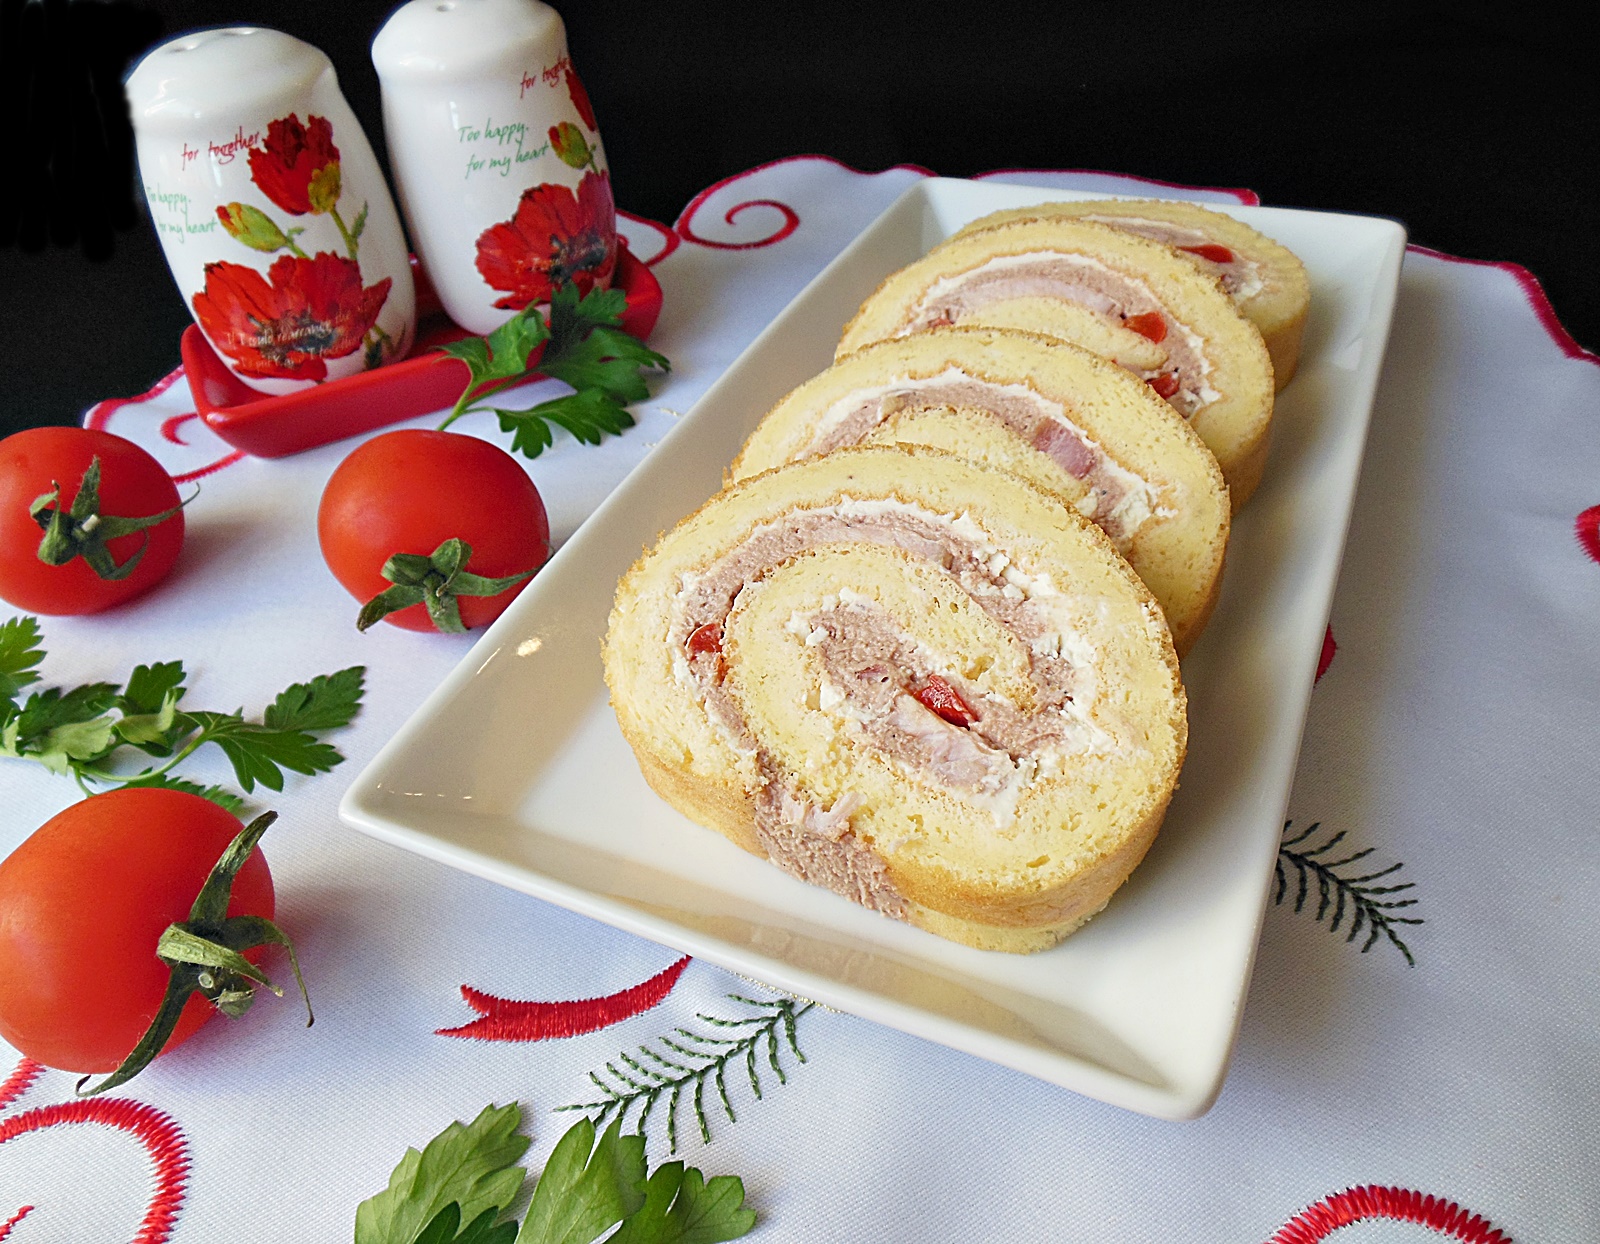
584,347
89,731
459,1187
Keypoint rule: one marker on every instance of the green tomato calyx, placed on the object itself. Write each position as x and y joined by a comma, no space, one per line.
82,531
434,581
205,955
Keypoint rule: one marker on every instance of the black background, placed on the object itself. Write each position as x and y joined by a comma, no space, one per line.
1476,124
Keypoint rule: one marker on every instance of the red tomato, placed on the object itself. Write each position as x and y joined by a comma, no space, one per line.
410,491
132,485
1211,251
1151,324
83,903
940,697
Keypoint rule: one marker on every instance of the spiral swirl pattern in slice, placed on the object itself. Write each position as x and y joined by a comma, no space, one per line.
925,685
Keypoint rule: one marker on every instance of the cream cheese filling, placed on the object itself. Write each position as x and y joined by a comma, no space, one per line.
1094,284
975,763
1242,278
1029,603
1118,500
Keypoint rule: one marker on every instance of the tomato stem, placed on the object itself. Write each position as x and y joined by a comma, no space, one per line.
205,955
81,530
434,581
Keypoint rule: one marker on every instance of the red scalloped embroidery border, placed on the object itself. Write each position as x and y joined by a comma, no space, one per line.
684,226
1532,291
669,236
503,1019
162,1138
1587,528
1353,1205
1247,198
1330,649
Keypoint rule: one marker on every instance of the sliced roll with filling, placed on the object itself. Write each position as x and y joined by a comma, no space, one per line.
1265,279
921,683
1042,275
1066,420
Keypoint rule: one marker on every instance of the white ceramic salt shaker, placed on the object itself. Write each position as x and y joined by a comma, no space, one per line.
495,154
271,208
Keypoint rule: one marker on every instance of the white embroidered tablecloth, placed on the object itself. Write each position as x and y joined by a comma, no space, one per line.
1453,732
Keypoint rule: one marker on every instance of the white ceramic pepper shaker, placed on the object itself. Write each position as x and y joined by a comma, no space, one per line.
495,155
271,208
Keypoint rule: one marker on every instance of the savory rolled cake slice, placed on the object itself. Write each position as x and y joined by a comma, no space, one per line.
1043,274
1064,419
1265,279
921,683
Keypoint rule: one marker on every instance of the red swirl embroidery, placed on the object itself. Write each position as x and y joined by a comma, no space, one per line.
669,238
101,413
1587,528
501,1019
156,1131
209,469
685,226
169,428
1353,1205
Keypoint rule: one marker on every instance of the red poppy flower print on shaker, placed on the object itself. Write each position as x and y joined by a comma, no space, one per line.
298,165
553,238
284,326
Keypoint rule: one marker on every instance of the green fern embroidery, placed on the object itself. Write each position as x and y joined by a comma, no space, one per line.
688,1058
1370,906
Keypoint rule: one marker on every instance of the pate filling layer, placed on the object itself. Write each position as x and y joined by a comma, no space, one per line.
871,673
1183,380
1119,501
1241,276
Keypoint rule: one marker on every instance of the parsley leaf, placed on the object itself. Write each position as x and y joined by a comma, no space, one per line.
150,685
588,414
681,1207
442,1228
325,703
586,1190
607,359
20,652
219,795
80,730
583,1194
503,354
149,706
472,1166
259,753
583,347
573,318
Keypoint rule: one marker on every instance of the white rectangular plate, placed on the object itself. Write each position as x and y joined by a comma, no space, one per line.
514,769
